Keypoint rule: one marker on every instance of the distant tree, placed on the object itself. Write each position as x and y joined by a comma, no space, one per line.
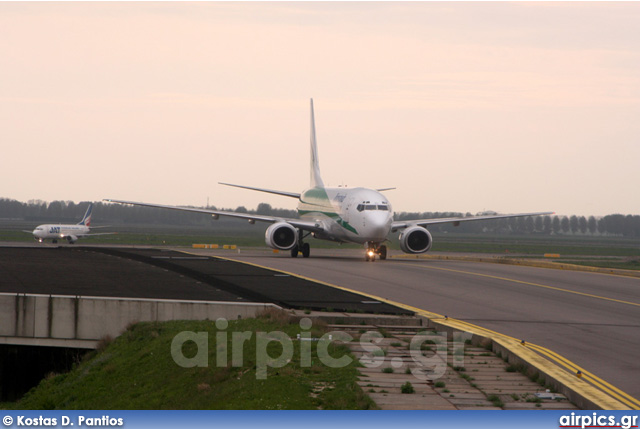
539,223
592,225
546,225
582,224
55,210
555,224
564,224
264,209
573,223
529,224
602,225
242,209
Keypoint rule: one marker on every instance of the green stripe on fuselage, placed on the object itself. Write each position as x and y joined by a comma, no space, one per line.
316,200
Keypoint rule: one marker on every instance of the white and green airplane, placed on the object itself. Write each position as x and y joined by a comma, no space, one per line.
344,215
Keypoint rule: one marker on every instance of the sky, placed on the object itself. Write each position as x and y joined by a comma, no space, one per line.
465,107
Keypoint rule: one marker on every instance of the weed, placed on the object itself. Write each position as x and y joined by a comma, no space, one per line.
495,400
407,388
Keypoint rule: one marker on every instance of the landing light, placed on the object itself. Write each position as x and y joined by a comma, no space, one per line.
371,253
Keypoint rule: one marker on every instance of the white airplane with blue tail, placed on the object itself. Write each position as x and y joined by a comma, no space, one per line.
71,233
344,215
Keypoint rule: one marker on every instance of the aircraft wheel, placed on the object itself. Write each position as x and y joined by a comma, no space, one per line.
294,252
383,252
306,250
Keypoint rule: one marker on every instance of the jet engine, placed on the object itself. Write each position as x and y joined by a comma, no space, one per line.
281,236
72,239
415,239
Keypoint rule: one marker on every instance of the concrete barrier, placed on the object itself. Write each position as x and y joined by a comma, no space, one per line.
78,321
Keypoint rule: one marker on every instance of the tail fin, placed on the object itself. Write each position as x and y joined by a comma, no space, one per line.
316,180
86,220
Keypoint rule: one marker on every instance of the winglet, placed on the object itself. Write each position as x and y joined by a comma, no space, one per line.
316,180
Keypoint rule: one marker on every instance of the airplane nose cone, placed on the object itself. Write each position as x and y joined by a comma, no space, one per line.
378,227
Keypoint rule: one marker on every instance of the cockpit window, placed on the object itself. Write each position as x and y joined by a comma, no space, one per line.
367,206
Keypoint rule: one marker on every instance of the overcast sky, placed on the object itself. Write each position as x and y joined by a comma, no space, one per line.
462,106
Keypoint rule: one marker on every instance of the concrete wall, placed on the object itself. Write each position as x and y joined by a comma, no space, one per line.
69,321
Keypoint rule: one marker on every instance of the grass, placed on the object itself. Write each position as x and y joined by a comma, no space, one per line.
532,245
630,264
136,371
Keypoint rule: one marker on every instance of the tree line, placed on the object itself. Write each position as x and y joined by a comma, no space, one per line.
71,212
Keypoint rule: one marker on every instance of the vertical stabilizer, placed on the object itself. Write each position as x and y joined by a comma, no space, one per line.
86,220
316,180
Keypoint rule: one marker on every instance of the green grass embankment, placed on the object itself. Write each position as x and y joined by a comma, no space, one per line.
137,371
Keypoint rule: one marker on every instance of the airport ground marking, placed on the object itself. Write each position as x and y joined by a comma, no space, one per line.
573,368
620,301
611,398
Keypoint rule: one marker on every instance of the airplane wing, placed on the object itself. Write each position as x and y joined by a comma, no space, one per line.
91,234
270,191
395,226
298,223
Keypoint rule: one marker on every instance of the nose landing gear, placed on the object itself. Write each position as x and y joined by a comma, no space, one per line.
374,249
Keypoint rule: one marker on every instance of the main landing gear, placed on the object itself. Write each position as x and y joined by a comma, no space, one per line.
374,249
301,247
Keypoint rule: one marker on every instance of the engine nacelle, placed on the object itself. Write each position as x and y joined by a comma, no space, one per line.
415,239
281,236
72,239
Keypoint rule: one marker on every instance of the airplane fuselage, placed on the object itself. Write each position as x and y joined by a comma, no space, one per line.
58,231
350,215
